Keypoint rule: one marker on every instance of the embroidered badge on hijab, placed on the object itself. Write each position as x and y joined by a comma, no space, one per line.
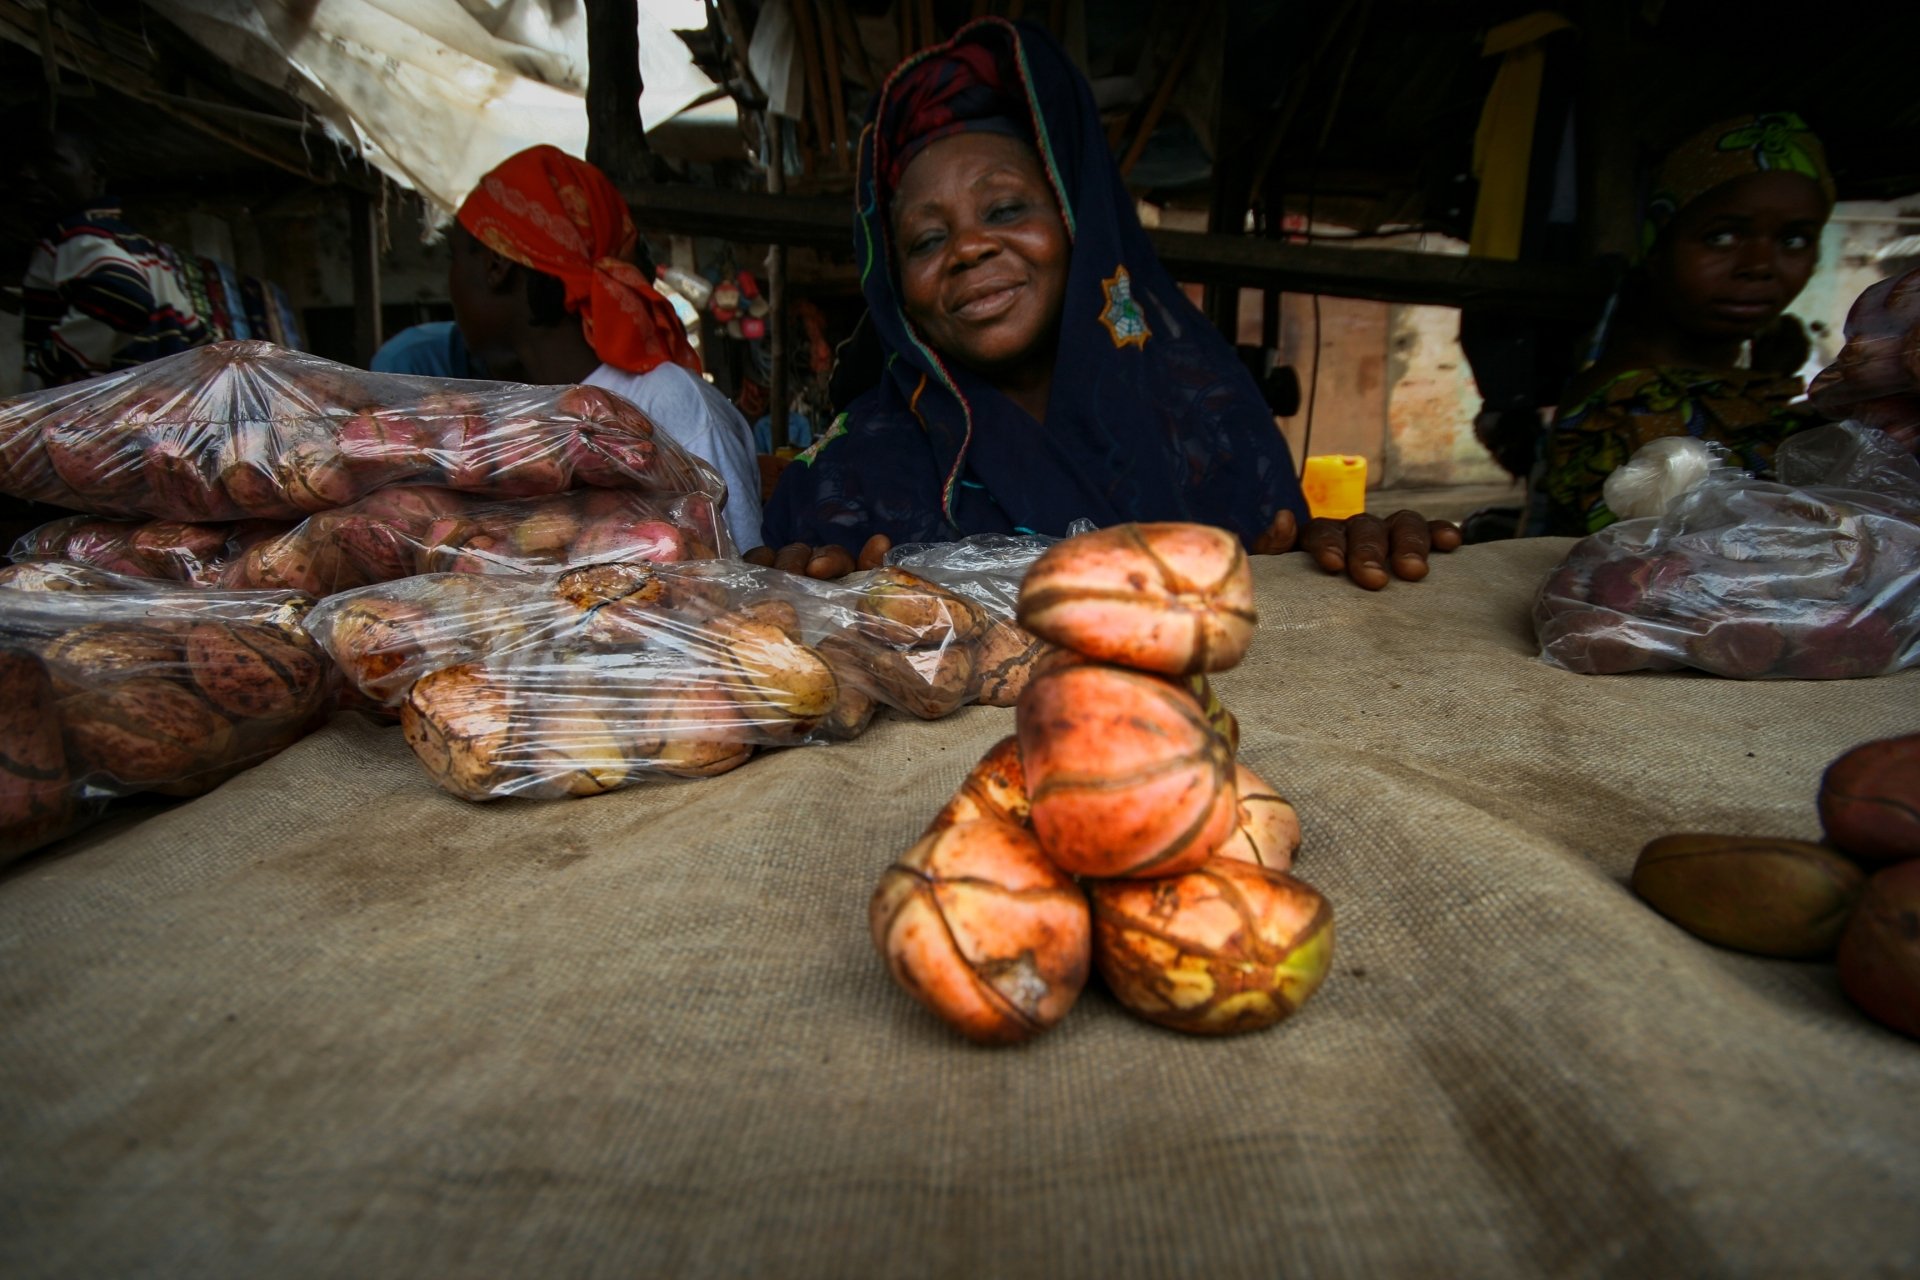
1122,316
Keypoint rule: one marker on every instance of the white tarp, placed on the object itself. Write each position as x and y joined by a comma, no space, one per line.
436,92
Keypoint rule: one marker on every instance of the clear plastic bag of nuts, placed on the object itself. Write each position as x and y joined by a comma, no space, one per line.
111,686
1814,574
240,430
1875,379
395,533
506,685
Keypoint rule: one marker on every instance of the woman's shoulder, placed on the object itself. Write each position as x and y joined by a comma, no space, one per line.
669,393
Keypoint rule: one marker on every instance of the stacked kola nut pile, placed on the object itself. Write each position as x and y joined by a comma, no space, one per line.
1114,829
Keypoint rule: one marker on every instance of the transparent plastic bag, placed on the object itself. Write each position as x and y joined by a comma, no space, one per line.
1813,575
239,430
123,686
571,682
168,550
400,532
392,534
1876,376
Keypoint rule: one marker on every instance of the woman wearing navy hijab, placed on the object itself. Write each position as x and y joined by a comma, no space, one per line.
1041,366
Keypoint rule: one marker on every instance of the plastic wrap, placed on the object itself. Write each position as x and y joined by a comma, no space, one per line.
241,430
111,688
574,682
393,534
1875,380
1815,575
1659,474
168,550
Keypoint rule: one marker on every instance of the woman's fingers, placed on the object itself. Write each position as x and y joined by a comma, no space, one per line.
1443,534
793,557
1409,540
1367,551
1279,537
830,562
1326,542
762,555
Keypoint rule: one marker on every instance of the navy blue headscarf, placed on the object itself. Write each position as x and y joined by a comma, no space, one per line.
1151,415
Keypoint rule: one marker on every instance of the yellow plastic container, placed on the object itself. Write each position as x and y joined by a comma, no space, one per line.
1335,485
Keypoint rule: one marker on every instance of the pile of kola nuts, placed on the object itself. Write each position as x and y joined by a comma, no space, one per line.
1114,829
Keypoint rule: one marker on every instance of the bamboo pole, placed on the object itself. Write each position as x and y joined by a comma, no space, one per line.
836,97
774,153
817,107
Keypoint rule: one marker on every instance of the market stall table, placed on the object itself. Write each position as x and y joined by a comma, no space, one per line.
329,1020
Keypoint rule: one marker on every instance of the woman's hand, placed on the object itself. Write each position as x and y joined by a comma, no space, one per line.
1364,546
829,561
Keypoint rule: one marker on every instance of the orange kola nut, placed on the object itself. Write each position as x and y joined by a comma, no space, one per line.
460,722
1172,598
376,642
994,788
693,730
1231,947
976,924
769,672
1006,657
1267,832
1124,774
901,608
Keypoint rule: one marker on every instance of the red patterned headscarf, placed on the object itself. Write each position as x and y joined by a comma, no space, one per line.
549,212
956,88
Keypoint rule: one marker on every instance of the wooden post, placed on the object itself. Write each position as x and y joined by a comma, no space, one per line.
367,335
819,110
773,152
616,139
836,96
1609,201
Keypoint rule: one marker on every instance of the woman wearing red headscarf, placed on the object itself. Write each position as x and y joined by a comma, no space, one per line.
543,277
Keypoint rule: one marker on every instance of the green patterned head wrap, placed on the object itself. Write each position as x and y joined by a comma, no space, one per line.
1773,141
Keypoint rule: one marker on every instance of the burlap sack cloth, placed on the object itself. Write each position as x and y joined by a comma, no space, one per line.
330,1021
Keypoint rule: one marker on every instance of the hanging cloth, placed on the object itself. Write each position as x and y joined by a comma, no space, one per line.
1503,142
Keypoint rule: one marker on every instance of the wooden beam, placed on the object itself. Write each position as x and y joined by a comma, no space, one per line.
1385,275
367,335
77,51
616,140
1609,203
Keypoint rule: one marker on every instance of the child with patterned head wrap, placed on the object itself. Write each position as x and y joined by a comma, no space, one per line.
1730,236
543,279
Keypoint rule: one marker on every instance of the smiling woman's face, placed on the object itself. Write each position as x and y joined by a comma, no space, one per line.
982,254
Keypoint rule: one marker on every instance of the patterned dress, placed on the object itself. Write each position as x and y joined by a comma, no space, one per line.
1748,412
